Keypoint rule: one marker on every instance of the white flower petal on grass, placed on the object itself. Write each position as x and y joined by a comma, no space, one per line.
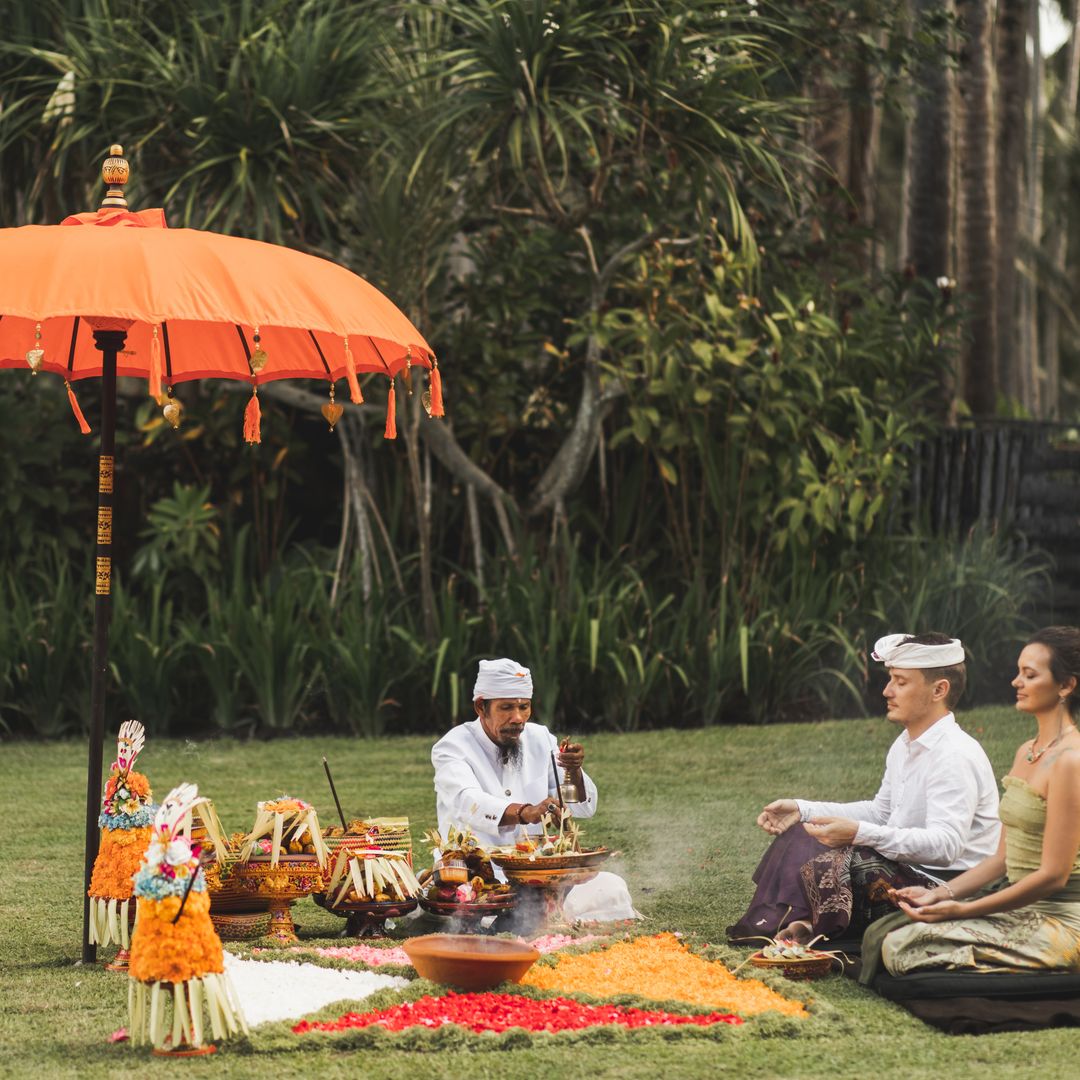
277,990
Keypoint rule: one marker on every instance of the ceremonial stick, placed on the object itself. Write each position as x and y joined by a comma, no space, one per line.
187,891
333,791
558,790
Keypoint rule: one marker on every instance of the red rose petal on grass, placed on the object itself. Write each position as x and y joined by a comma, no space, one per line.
119,1035
500,1012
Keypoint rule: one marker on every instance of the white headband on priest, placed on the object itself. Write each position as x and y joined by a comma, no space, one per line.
894,650
503,678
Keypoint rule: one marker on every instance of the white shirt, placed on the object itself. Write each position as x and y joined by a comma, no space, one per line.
937,806
473,790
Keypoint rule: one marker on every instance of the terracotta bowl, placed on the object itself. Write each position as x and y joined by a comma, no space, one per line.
468,961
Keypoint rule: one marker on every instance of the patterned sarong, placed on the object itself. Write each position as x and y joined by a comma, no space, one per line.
839,891
848,888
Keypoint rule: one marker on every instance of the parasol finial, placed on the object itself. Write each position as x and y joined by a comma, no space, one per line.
115,173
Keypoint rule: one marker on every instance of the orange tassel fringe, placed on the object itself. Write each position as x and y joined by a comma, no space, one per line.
154,388
436,391
253,419
350,375
84,427
391,414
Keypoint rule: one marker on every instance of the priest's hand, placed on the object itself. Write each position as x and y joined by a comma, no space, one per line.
571,756
531,813
833,831
779,816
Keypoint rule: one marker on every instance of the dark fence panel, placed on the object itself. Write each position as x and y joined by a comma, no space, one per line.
1017,476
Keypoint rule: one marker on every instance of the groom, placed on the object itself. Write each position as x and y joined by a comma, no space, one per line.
831,865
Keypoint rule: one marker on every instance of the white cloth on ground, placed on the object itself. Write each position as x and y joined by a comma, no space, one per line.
937,807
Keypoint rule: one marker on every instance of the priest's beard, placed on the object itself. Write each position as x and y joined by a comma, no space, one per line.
510,755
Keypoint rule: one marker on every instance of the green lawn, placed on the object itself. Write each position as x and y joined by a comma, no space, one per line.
680,805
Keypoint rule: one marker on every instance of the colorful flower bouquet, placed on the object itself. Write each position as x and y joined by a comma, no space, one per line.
175,943
127,811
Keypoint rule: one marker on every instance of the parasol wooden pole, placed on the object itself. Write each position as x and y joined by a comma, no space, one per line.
109,342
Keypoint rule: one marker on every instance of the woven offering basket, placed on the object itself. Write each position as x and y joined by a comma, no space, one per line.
241,926
815,965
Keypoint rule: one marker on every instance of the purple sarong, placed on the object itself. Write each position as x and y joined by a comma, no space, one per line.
836,890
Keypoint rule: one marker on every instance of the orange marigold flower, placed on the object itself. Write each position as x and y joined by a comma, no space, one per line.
163,951
118,859
138,784
663,969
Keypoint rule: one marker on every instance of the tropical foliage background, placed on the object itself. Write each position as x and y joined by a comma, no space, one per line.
700,278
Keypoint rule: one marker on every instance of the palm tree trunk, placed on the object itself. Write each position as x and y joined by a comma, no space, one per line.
1059,242
1032,391
926,241
864,144
1012,75
978,231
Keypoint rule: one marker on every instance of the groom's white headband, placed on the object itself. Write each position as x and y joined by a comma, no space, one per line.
892,651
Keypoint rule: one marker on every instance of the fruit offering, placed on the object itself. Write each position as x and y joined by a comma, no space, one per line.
371,876
283,827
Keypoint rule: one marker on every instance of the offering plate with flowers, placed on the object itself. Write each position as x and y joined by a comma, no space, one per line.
281,860
462,884
796,960
552,864
369,886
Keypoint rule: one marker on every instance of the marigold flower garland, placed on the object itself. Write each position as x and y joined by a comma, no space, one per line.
176,955
662,968
501,1012
126,813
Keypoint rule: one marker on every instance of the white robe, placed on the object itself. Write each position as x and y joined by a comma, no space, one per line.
473,790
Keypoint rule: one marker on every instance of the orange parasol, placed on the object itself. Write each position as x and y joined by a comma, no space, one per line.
118,293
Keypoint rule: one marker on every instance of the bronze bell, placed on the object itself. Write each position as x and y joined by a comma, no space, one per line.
34,357
172,411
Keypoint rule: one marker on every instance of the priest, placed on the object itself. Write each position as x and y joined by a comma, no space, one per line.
494,777
832,867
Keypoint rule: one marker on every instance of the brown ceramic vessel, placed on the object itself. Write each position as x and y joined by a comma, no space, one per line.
468,961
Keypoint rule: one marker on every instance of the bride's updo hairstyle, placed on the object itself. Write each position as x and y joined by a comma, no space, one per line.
1064,645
